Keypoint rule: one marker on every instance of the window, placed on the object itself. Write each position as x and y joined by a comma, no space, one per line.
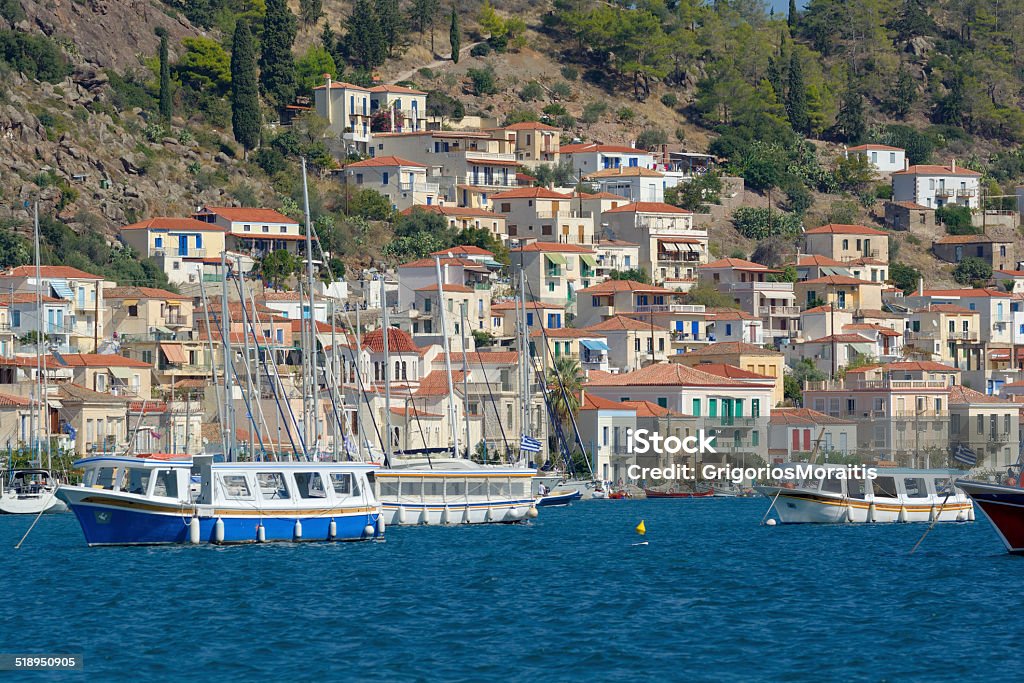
712,407
166,484
455,488
344,484
310,485
272,486
235,486
981,424
884,487
604,436
892,157
954,423
915,487
133,311
385,177
846,244
246,228
755,407
696,407
105,478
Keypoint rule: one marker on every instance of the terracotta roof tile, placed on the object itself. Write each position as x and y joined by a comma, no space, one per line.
237,214
843,229
666,374
648,207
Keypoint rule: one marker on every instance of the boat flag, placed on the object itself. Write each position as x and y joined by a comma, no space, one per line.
965,455
529,444
641,528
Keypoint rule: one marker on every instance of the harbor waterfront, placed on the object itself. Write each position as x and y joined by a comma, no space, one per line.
713,597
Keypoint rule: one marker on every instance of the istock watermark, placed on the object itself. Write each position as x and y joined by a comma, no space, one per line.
642,441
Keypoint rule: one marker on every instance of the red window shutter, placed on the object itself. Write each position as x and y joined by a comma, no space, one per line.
807,439
796,439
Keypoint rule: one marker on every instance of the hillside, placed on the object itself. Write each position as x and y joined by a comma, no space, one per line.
776,98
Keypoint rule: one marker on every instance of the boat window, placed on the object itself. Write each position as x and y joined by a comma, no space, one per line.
272,486
832,485
433,488
915,487
166,484
455,488
387,488
812,483
310,485
499,489
105,477
856,488
342,482
885,487
476,488
518,489
235,486
136,480
943,486
89,478
412,488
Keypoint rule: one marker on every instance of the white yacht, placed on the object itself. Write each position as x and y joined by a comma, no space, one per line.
30,491
895,495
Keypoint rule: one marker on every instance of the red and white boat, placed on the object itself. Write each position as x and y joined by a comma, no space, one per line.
1004,506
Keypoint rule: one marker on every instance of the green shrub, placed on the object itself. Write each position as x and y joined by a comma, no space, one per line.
570,73
651,138
593,112
957,220
427,73
669,99
562,90
883,191
903,276
626,114
480,50
759,223
531,91
36,56
555,109
484,81
972,270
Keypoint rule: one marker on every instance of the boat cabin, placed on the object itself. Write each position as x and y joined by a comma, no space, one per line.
890,484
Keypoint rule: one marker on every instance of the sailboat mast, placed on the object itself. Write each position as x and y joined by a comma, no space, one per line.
465,377
524,340
229,393
357,358
41,387
336,389
311,350
385,328
452,421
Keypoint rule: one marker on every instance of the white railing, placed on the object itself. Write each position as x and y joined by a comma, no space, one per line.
762,286
784,310
473,155
428,188
564,214
669,308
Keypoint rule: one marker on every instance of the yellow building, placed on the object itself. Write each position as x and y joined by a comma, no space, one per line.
749,357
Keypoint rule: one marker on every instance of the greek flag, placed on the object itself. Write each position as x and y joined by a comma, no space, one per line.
529,444
965,455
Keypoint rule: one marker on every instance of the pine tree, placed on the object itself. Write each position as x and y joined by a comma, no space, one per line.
775,78
796,96
904,93
455,36
245,97
391,24
310,11
364,37
166,107
791,19
277,65
850,120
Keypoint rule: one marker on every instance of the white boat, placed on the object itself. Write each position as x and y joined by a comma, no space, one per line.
895,495
145,501
444,491
30,491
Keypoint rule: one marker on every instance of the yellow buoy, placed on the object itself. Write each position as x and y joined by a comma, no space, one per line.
641,528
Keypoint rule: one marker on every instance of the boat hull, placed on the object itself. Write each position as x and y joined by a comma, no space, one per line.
31,505
433,514
710,493
119,520
801,507
1004,506
559,498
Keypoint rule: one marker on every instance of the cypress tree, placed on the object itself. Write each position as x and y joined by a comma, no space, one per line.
791,19
796,97
390,21
277,65
245,98
364,37
165,76
850,119
455,36
775,78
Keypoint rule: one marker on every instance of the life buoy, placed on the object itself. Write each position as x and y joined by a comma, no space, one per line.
1011,481
789,485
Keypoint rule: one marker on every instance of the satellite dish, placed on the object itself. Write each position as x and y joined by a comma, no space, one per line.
935,323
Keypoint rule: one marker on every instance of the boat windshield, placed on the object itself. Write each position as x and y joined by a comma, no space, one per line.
166,484
136,480
944,486
856,488
915,487
885,487
310,485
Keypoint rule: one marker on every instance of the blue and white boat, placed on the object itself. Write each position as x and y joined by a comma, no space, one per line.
559,498
145,501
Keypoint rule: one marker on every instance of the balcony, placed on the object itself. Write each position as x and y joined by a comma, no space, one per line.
956,192
669,308
679,257
175,252
868,253
425,188
177,321
671,227
936,335
564,214
877,384
482,181
761,286
784,311
484,156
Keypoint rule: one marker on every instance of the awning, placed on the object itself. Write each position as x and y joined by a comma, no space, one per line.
556,259
175,354
594,345
173,302
999,354
121,373
60,287
129,302
668,246
491,263
162,330
589,260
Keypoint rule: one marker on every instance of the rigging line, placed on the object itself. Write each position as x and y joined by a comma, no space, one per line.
274,381
494,404
221,407
247,395
356,352
565,395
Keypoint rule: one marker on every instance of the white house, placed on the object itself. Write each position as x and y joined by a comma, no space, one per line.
407,107
403,182
347,110
635,183
589,157
884,158
935,186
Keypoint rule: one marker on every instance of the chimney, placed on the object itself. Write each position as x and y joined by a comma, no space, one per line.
906,164
920,286
327,94
954,165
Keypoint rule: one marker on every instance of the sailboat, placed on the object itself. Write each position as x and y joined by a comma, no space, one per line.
420,488
32,490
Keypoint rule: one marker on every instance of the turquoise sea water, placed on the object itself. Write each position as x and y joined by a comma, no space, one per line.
713,597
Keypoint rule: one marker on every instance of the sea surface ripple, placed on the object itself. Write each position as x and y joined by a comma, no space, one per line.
714,596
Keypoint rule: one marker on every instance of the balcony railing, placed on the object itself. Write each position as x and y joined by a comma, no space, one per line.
671,227
955,192
762,286
886,384
784,310
483,181
426,188
191,252
564,214
679,257
669,308
474,155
